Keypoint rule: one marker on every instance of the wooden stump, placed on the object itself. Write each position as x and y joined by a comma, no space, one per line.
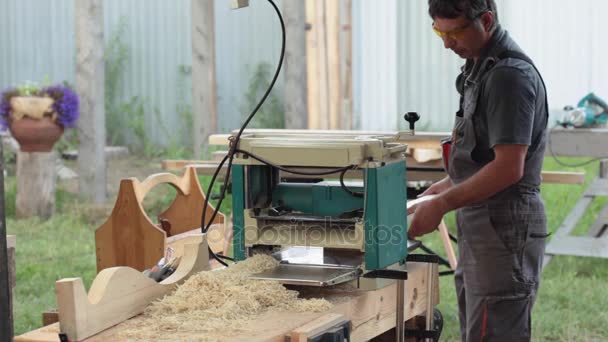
36,182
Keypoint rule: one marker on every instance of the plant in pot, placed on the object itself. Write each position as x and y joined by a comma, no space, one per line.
37,117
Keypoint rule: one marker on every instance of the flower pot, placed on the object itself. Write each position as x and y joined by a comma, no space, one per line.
35,135
35,107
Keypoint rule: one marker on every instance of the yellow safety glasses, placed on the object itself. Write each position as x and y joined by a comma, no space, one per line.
456,33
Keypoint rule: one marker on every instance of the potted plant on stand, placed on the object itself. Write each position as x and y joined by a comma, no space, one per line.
36,117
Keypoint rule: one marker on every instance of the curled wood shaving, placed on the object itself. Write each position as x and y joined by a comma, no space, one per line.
213,304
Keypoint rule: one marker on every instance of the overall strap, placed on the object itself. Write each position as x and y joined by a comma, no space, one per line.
519,55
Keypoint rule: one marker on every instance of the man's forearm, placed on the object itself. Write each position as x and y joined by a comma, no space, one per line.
490,180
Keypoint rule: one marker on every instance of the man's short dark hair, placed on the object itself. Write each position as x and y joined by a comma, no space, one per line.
470,9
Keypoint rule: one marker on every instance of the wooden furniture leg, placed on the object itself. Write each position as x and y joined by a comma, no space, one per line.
447,244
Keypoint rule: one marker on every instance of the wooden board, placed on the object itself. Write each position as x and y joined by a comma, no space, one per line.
434,171
371,313
316,326
420,140
334,65
11,241
579,142
563,177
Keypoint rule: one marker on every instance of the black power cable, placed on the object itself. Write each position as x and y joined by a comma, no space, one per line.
345,188
295,172
234,142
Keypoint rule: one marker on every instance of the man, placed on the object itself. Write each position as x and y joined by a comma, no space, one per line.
494,170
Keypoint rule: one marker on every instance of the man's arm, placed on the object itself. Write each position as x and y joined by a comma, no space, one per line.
506,169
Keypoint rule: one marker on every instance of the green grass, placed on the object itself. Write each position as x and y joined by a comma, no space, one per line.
571,305
59,248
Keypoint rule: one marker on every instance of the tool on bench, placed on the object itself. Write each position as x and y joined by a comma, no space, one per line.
160,271
591,111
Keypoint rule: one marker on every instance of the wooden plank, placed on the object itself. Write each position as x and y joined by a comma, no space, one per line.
207,167
323,63
296,112
317,326
579,142
563,177
312,63
430,140
216,239
334,64
347,67
119,293
48,333
578,246
572,219
11,241
50,317
598,229
598,187
447,245
204,87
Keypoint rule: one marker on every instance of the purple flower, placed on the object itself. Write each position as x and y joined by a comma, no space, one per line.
5,106
66,104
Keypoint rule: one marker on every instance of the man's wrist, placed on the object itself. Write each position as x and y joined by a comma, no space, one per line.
442,204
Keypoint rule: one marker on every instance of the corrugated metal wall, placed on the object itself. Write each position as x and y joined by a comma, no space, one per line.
244,39
374,64
567,42
426,70
37,39
157,36
398,63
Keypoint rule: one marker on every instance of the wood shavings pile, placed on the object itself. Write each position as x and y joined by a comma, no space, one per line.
214,303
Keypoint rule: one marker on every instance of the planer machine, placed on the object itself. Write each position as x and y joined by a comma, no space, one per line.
291,199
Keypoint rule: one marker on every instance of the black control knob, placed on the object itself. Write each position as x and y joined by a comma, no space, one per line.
411,117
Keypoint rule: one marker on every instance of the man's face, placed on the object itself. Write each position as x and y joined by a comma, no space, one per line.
463,36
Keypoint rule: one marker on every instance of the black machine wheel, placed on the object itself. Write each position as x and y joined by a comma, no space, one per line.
437,323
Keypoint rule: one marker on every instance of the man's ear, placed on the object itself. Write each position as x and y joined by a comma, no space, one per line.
487,19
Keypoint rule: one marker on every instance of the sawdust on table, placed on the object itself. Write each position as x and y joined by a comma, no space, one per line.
213,304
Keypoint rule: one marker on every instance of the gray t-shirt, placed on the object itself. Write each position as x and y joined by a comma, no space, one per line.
511,107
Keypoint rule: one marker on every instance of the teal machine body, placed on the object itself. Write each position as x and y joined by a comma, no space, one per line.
365,215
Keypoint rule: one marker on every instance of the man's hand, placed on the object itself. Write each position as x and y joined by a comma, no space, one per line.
438,187
427,217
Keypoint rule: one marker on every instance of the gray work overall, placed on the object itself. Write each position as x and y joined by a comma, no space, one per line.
501,243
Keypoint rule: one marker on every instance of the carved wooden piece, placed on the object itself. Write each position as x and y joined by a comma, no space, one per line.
130,238
119,293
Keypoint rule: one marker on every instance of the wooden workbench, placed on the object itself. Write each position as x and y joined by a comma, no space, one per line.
371,313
